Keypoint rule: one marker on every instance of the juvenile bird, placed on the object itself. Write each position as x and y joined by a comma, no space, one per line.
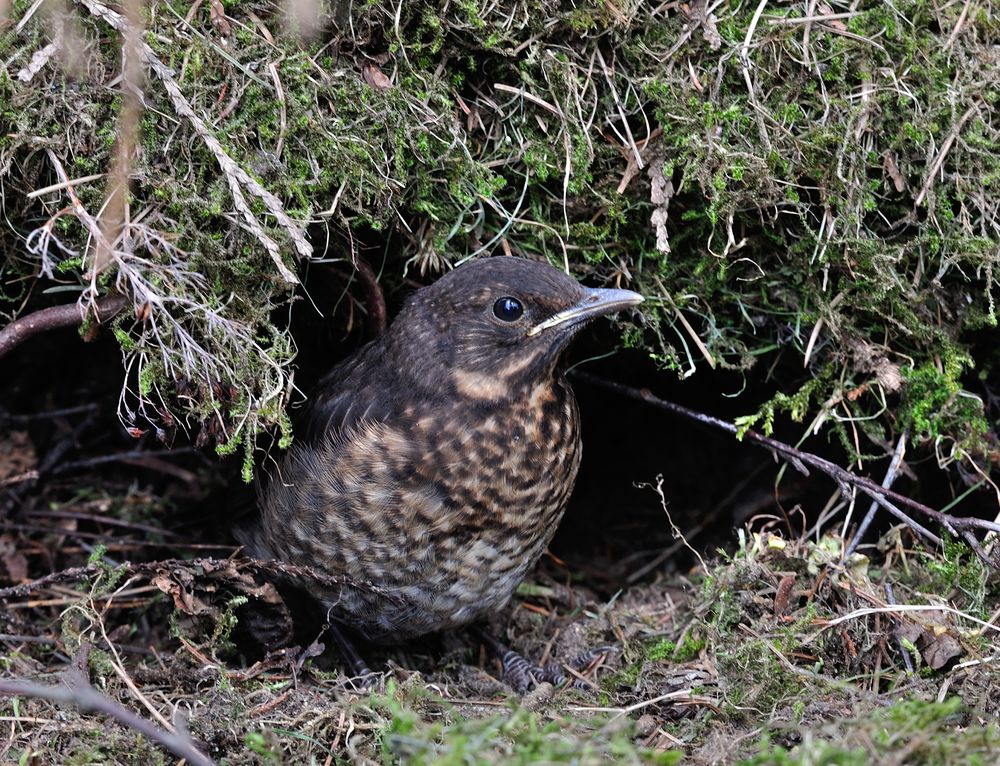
436,462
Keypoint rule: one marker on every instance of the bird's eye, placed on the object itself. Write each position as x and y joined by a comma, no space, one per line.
508,309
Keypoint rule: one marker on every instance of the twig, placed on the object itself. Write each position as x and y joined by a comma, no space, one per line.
886,498
97,518
209,565
959,24
679,697
68,315
864,612
283,109
6,417
87,699
674,529
63,185
130,455
891,599
529,97
374,299
945,148
890,477
745,66
621,111
10,481
811,18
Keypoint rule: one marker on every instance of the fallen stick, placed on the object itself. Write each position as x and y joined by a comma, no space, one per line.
890,500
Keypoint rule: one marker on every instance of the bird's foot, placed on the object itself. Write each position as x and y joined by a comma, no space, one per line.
585,663
522,675
362,678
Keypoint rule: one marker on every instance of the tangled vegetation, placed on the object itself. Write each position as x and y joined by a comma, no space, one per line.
805,186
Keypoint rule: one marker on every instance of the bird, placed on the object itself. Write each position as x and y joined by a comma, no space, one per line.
431,468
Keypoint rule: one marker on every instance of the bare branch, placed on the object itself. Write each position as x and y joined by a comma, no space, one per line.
208,565
88,699
885,497
68,315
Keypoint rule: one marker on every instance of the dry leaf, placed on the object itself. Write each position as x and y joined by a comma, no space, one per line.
937,646
783,595
892,170
17,454
13,560
217,14
375,77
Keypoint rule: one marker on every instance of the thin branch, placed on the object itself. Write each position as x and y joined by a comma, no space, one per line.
945,148
890,598
209,565
68,315
621,110
745,66
529,97
887,482
88,699
887,498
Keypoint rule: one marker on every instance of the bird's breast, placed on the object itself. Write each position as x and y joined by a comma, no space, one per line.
445,506
509,469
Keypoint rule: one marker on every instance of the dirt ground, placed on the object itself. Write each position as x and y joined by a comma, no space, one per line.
761,643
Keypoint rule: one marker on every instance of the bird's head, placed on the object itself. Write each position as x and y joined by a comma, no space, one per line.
494,324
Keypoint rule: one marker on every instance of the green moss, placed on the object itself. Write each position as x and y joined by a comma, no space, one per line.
626,678
257,742
919,732
517,736
785,207
664,650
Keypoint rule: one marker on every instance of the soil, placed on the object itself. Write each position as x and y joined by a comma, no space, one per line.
753,639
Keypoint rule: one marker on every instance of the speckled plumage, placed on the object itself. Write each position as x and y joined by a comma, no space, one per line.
437,461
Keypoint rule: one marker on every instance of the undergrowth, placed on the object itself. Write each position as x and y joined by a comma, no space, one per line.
818,192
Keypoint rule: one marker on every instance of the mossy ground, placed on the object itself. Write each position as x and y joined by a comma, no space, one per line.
778,652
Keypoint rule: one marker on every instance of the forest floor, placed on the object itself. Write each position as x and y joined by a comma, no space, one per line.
778,650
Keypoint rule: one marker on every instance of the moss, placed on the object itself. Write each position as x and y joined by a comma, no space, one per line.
664,649
257,742
810,200
518,736
934,404
920,732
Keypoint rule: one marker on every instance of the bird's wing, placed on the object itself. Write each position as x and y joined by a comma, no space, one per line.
330,413
344,399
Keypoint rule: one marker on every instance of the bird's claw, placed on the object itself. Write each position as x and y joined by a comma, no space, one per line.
586,661
522,675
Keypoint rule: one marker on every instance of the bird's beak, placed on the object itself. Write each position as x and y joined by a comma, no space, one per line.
596,302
